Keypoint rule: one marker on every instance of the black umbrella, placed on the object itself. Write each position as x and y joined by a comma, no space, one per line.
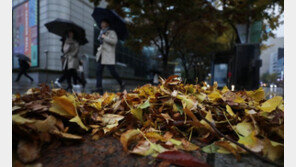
60,26
23,57
116,22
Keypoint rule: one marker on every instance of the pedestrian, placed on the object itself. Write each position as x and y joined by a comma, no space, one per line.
71,62
106,55
59,80
23,67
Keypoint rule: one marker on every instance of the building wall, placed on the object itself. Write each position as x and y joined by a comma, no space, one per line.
78,11
268,54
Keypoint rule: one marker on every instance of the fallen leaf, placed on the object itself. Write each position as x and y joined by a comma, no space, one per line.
78,121
271,104
127,136
17,119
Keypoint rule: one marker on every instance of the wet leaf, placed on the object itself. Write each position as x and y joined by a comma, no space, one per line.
127,136
66,103
271,104
66,135
16,118
78,121
138,113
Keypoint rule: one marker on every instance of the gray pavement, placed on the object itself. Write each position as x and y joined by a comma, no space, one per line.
109,85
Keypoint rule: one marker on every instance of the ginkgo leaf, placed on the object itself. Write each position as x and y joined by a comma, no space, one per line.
244,128
271,104
66,135
145,104
138,113
214,96
55,108
78,121
257,95
229,111
16,118
65,103
127,136
251,142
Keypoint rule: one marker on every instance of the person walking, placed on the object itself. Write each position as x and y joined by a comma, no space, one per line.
23,67
71,62
106,55
59,80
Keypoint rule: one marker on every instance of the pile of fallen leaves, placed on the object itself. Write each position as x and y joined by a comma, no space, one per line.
163,121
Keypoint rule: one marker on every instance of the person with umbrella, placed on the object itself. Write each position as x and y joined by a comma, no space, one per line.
112,29
71,62
72,37
24,66
106,55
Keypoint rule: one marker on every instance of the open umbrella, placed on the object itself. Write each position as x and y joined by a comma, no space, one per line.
22,57
60,26
116,22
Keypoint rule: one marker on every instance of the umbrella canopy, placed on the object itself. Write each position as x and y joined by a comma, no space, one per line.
116,22
60,26
23,57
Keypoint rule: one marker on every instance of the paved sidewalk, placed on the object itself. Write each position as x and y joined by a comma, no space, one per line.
109,85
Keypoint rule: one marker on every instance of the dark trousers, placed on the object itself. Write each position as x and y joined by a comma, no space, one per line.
100,69
23,71
69,74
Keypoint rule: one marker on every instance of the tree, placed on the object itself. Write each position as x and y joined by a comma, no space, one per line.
199,43
160,22
249,11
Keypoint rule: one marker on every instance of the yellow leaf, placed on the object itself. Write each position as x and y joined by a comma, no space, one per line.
138,113
271,104
244,128
225,89
55,108
201,97
79,122
251,142
257,95
214,96
65,103
229,111
66,135
127,136
16,118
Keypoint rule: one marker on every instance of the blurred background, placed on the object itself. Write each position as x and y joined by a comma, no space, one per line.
238,43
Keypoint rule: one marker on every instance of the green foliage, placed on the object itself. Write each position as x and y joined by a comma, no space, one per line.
269,78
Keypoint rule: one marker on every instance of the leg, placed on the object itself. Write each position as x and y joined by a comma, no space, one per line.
99,72
68,77
114,74
19,75
26,74
63,77
74,75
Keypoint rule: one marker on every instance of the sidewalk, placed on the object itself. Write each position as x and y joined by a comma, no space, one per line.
109,85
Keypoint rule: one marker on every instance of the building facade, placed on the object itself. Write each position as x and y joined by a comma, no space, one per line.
269,56
31,37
